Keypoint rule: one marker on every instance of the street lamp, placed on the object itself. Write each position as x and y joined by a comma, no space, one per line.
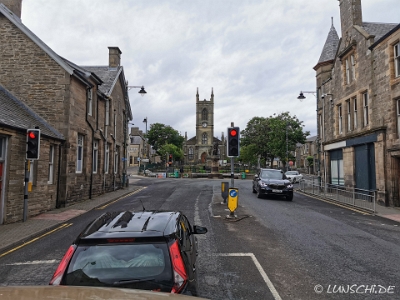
142,90
301,97
145,140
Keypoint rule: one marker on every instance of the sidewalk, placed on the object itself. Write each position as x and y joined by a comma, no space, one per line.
12,235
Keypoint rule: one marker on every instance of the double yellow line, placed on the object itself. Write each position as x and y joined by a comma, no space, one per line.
65,225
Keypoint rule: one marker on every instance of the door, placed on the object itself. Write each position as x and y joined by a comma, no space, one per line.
365,166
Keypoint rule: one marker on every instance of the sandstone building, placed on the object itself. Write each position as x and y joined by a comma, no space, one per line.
358,104
88,107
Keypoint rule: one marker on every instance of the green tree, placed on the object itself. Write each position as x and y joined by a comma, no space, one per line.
177,153
160,135
254,138
266,137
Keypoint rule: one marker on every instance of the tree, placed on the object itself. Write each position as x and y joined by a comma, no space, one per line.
160,135
177,153
273,137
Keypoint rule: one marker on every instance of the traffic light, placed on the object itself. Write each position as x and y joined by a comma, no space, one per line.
32,143
170,159
233,141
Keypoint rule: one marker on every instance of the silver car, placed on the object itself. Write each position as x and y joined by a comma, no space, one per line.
294,176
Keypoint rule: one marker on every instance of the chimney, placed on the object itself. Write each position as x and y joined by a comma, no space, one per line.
114,57
14,6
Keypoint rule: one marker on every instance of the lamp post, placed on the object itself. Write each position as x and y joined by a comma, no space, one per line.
301,97
142,92
145,145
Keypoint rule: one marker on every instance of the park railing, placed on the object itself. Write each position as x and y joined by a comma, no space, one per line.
365,199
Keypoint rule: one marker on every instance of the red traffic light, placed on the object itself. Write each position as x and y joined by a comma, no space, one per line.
233,132
31,135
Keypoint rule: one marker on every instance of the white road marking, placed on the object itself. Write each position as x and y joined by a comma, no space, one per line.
260,269
34,262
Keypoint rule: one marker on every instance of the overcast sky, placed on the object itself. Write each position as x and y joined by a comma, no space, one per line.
257,55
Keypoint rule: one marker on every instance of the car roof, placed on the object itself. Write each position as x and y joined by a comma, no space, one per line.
132,224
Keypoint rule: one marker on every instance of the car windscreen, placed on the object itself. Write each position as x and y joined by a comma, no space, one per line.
267,174
292,173
141,266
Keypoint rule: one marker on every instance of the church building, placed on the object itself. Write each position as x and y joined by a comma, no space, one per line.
199,149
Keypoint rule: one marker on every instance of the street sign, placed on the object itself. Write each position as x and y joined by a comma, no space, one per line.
145,160
233,195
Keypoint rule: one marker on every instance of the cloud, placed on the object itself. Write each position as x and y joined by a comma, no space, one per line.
257,55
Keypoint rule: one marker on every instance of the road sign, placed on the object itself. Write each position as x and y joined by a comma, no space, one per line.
233,195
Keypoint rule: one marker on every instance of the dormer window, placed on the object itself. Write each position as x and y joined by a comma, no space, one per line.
89,96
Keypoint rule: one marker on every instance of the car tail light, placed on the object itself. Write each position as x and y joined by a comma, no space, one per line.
180,276
58,274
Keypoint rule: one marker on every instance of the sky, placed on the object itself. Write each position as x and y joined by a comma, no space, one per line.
257,55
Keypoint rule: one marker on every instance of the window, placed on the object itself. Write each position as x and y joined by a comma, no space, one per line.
398,117
95,156
397,60
107,158
107,121
116,160
365,103
190,153
79,154
204,139
89,95
348,115
50,178
353,67
347,71
355,113
204,114
340,117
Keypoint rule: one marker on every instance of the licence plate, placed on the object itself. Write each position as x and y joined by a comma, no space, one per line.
277,191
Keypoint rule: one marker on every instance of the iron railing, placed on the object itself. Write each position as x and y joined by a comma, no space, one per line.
365,199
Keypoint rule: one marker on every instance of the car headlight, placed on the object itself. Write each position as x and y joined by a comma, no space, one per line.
289,186
263,184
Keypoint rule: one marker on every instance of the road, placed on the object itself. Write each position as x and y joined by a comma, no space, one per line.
274,249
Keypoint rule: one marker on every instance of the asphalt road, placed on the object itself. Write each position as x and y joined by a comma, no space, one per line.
274,249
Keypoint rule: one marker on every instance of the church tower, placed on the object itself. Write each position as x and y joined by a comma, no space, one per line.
204,125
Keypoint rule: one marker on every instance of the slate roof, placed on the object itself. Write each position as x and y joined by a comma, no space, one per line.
378,29
330,47
17,115
108,75
137,140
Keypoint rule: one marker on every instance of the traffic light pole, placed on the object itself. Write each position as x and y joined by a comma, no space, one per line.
27,173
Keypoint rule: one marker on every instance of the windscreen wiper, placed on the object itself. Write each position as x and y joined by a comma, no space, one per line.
122,282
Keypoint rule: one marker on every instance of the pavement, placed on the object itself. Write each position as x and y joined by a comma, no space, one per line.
15,235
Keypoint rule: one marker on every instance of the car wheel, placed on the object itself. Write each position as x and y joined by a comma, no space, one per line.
258,193
289,197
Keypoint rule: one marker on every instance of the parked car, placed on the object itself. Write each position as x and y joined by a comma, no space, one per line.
294,176
272,182
148,250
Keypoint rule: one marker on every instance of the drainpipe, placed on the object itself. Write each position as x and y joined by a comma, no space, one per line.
58,204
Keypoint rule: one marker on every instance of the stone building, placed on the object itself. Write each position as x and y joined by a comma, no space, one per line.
303,152
15,118
198,149
358,104
88,106
136,147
